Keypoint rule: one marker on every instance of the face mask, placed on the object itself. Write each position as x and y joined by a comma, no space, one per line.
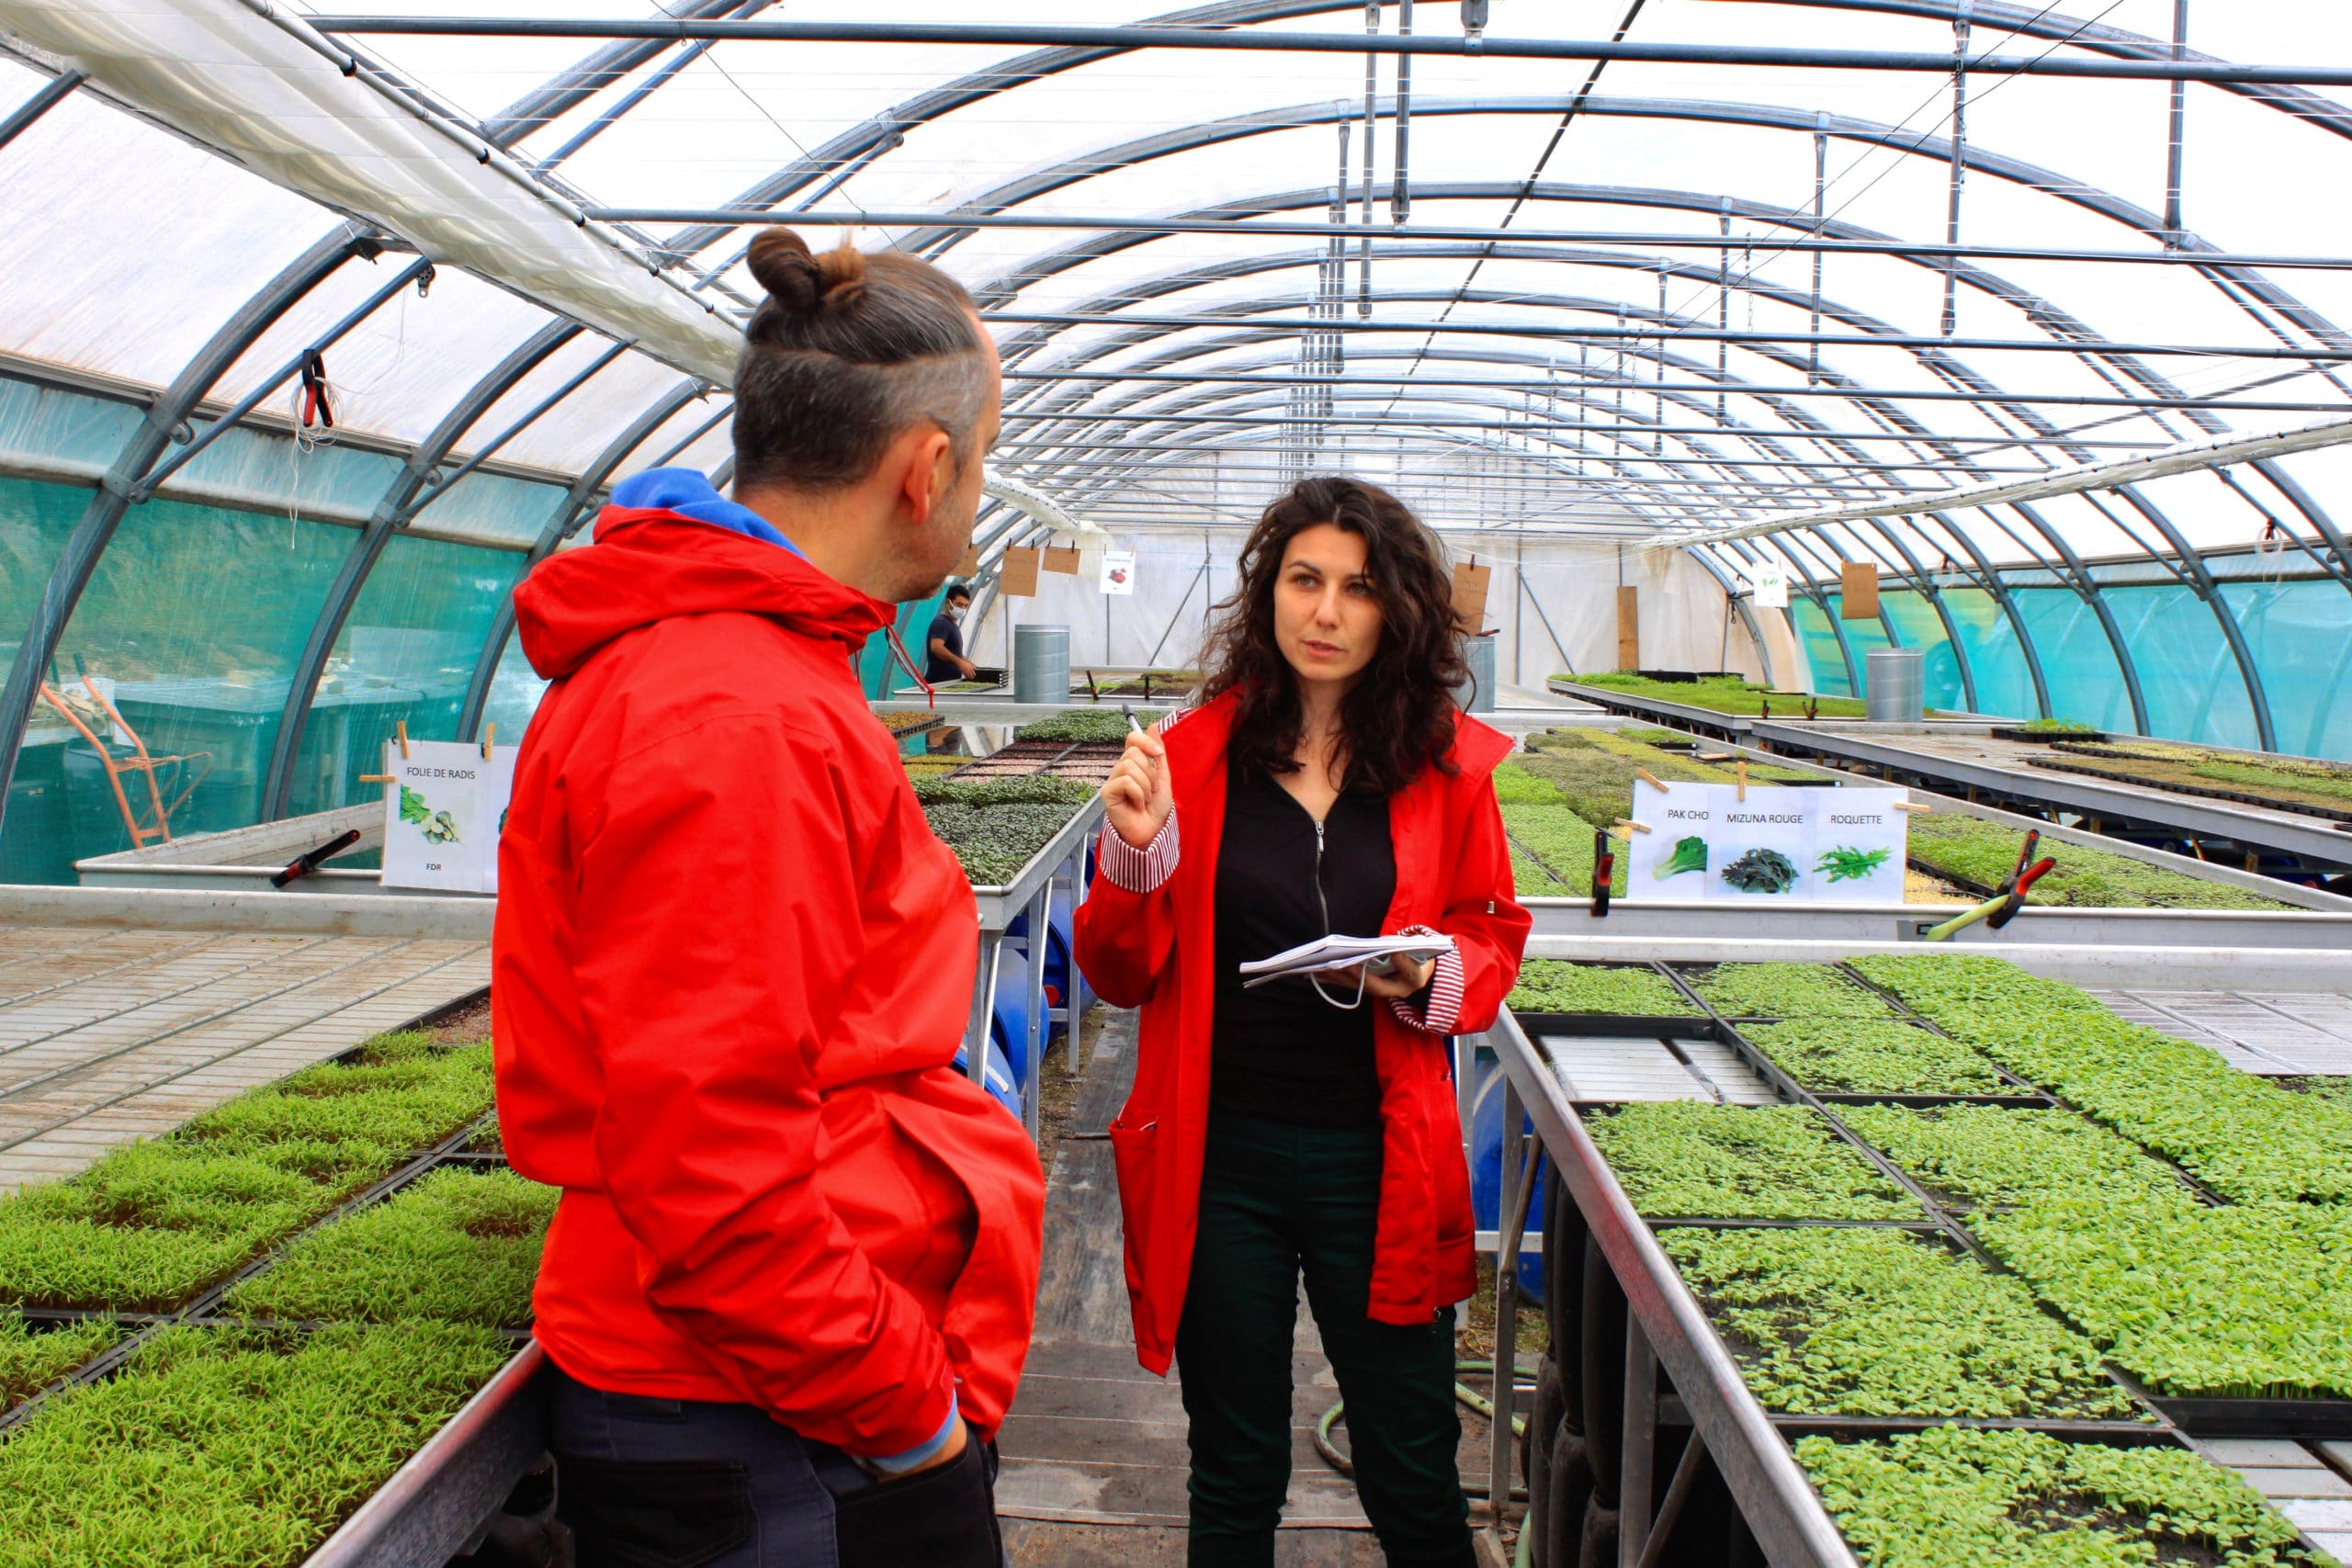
956,612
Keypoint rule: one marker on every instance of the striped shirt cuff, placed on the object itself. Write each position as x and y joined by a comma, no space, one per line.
1444,1008
1133,870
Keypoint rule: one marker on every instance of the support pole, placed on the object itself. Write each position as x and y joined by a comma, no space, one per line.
1959,31
2174,229
47,96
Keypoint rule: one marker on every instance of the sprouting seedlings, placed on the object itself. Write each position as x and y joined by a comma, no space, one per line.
1958,1497
461,1245
1683,1159
1787,990
1625,991
1840,1056
1872,1322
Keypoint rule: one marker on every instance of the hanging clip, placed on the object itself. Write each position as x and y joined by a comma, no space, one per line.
1742,778
1650,779
401,729
317,408
489,739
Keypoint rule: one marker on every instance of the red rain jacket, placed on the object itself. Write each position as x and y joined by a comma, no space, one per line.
1157,951
731,970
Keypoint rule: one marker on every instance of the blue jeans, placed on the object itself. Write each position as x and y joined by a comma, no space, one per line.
686,1483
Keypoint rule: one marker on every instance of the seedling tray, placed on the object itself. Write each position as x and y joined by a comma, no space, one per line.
2235,797
2048,737
2309,1418
1618,1025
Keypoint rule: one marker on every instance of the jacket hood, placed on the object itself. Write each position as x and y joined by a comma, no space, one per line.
650,564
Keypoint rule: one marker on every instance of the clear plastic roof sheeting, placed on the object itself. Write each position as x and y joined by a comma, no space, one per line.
1630,302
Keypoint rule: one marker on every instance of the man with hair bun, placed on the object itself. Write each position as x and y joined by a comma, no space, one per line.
790,1284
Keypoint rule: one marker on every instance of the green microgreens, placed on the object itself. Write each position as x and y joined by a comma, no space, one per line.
461,1245
1097,727
1855,1055
996,844
1958,1497
1984,854
1625,991
1876,1323
2246,1138
31,1359
1560,843
1787,990
2246,1301
1689,1160
218,1448
1995,1154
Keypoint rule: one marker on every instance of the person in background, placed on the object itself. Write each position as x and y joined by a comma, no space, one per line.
791,1283
944,647
1327,784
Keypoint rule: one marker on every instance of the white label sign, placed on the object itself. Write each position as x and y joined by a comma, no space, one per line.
443,813
1778,846
1770,585
1118,571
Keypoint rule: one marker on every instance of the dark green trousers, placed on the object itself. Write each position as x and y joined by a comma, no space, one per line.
1277,1203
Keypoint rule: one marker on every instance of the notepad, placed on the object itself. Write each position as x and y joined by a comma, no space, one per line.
1329,952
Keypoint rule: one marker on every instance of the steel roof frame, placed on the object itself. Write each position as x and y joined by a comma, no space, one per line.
1235,40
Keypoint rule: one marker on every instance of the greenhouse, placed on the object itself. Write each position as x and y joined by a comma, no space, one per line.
1883,483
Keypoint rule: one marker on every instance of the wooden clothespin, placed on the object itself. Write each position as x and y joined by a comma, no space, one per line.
1650,779
377,778
1913,806
1632,827
400,729
1716,756
1742,778
489,739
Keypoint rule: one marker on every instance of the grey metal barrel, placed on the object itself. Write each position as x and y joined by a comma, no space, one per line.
1041,664
1895,689
1478,696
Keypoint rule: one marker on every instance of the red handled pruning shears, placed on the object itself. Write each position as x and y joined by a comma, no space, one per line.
2002,907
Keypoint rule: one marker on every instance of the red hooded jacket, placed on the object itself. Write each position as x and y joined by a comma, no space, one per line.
732,968
1157,951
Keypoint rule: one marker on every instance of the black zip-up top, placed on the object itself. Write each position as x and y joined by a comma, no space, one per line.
1282,1053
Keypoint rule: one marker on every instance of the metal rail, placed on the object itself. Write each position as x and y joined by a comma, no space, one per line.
1247,39
1774,1496
1060,867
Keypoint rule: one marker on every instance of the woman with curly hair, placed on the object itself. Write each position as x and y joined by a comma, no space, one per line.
1327,784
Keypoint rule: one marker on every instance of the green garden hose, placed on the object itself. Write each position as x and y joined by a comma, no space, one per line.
1462,1394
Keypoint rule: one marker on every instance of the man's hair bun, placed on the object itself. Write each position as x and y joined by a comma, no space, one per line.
799,280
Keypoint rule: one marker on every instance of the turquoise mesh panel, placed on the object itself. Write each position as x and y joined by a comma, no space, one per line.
2077,660
197,614
2301,637
406,652
35,521
2003,682
1817,644
2192,685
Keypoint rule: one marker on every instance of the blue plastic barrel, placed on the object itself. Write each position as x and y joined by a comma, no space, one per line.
1487,1178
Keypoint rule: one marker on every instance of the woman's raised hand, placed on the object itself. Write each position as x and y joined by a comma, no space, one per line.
1136,797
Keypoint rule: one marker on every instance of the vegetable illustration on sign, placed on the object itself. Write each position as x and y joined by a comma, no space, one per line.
1845,863
1689,854
1761,871
412,807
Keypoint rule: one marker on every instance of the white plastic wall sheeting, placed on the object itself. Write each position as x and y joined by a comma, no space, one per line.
254,89
1683,611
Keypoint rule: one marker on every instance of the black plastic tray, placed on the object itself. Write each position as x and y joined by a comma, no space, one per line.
1618,1025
